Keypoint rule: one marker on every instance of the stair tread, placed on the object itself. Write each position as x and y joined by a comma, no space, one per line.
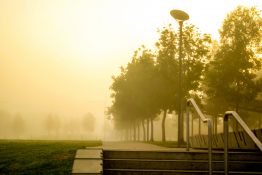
179,163
182,160
183,151
187,171
152,170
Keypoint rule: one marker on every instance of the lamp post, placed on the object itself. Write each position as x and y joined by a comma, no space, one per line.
180,16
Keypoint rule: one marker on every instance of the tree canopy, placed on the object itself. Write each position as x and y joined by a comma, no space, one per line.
231,75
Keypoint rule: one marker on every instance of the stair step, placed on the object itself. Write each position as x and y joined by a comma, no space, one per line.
163,162
179,165
170,172
88,162
150,172
171,155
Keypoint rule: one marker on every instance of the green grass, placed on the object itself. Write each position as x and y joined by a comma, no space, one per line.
39,157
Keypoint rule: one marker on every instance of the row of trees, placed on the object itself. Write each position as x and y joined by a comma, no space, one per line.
15,123
52,126
220,75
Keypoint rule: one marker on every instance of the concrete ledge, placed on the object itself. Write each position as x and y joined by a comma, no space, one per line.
88,161
88,154
87,166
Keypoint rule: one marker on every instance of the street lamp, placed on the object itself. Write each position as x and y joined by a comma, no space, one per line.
180,16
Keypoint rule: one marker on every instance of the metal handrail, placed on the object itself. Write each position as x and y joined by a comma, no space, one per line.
246,129
209,124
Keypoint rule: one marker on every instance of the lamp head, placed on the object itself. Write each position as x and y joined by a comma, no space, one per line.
179,15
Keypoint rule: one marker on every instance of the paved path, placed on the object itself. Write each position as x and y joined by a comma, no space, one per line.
136,146
130,146
143,147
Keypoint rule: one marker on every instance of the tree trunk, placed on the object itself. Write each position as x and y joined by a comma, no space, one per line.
144,130
214,125
237,106
199,126
134,131
126,134
130,134
152,130
164,126
192,124
147,133
138,132
259,122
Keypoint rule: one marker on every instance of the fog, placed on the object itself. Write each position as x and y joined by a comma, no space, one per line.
57,59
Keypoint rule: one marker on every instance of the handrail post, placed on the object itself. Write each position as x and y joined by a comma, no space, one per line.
209,123
187,126
210,146
246,129
226,144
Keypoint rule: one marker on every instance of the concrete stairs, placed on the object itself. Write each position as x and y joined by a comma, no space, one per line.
171,162
88,162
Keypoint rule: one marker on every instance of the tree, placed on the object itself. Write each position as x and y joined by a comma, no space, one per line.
142,77
167,69
4,123
195,53
52,123
230,78
18,125
88,122
133,95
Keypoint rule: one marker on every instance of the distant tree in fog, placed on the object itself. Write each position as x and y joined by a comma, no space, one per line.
52,124
18,125
72,127
4,123
88,122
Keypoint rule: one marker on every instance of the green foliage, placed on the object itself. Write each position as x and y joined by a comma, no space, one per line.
39,157
133,90
195,54
149,83
167,68
227,73
231,76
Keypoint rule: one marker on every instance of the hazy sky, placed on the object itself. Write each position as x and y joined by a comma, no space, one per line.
59,55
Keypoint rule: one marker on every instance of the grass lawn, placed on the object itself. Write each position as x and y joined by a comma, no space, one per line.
39,157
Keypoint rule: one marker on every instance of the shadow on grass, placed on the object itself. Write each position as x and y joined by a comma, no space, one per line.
39,157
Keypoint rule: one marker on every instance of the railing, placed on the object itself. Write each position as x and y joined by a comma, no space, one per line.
246,129
209,124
